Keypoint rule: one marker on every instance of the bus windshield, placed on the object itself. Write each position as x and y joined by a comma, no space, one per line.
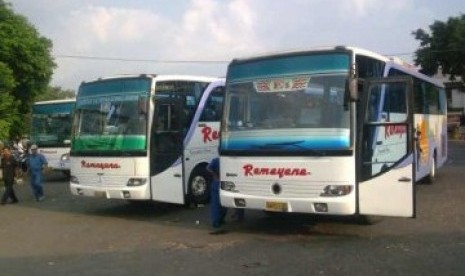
288,105
51,124
111,116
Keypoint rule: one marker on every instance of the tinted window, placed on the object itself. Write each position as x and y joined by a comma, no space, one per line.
213,106
428,99
369,67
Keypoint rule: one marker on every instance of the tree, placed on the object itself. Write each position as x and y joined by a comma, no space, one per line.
55,93
8,105
25,58
443,47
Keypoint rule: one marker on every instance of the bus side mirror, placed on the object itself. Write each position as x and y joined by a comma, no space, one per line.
353,89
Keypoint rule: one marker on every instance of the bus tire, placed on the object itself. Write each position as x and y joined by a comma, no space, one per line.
431,177
67,174
137,202
368,220
199,186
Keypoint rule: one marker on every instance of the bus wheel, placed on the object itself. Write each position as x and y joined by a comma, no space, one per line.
199,186
368,220
431,177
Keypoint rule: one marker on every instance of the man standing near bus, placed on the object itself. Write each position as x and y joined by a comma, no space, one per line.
8,165
36,162
218,212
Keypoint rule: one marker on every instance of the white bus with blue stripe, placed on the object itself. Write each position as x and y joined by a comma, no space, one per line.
146,137
338,131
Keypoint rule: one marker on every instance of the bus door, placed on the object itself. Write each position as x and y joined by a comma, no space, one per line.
386,156
166,147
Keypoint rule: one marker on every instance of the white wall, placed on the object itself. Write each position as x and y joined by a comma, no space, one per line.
458,99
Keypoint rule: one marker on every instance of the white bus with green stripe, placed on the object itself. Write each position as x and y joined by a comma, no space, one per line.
146,137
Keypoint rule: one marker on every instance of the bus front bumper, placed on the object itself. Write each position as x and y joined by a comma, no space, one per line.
128,193
344,205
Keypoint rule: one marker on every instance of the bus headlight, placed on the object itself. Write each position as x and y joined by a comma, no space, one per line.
136,182
337,190
228,186
65,157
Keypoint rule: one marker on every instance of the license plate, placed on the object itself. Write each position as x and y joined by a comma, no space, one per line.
100,194
276,206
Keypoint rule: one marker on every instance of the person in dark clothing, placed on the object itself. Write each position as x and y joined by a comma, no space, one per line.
218,212
9,165
462,119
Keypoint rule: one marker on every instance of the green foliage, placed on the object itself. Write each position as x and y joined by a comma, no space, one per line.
7,81
443,47
55,93
26,67
8,106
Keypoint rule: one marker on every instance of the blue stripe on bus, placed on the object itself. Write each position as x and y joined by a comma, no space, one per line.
302,143
197,115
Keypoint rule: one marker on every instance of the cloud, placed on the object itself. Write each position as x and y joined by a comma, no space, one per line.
206,30
107,32
207,27
200,30
365,8
214,30
106,27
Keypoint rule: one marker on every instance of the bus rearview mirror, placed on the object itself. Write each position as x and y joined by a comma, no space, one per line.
353,89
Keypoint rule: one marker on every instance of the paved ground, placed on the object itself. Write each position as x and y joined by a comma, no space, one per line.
67,235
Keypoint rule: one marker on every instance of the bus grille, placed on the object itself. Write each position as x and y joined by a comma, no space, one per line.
288,189
103,181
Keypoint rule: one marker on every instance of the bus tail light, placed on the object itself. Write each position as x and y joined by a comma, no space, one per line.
228,186
136,182
336,190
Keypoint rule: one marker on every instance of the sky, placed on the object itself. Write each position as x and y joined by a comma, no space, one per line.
98,38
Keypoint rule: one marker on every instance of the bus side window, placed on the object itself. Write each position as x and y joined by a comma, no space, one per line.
192,92
432,98
374,105
213,106
395,103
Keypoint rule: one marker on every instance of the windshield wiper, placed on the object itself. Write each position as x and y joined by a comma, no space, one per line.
278,145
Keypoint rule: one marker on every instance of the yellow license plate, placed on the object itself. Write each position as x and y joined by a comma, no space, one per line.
276,206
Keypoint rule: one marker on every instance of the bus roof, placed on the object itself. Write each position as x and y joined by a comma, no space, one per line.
69,100
415,73
312,50
158,77
391,62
